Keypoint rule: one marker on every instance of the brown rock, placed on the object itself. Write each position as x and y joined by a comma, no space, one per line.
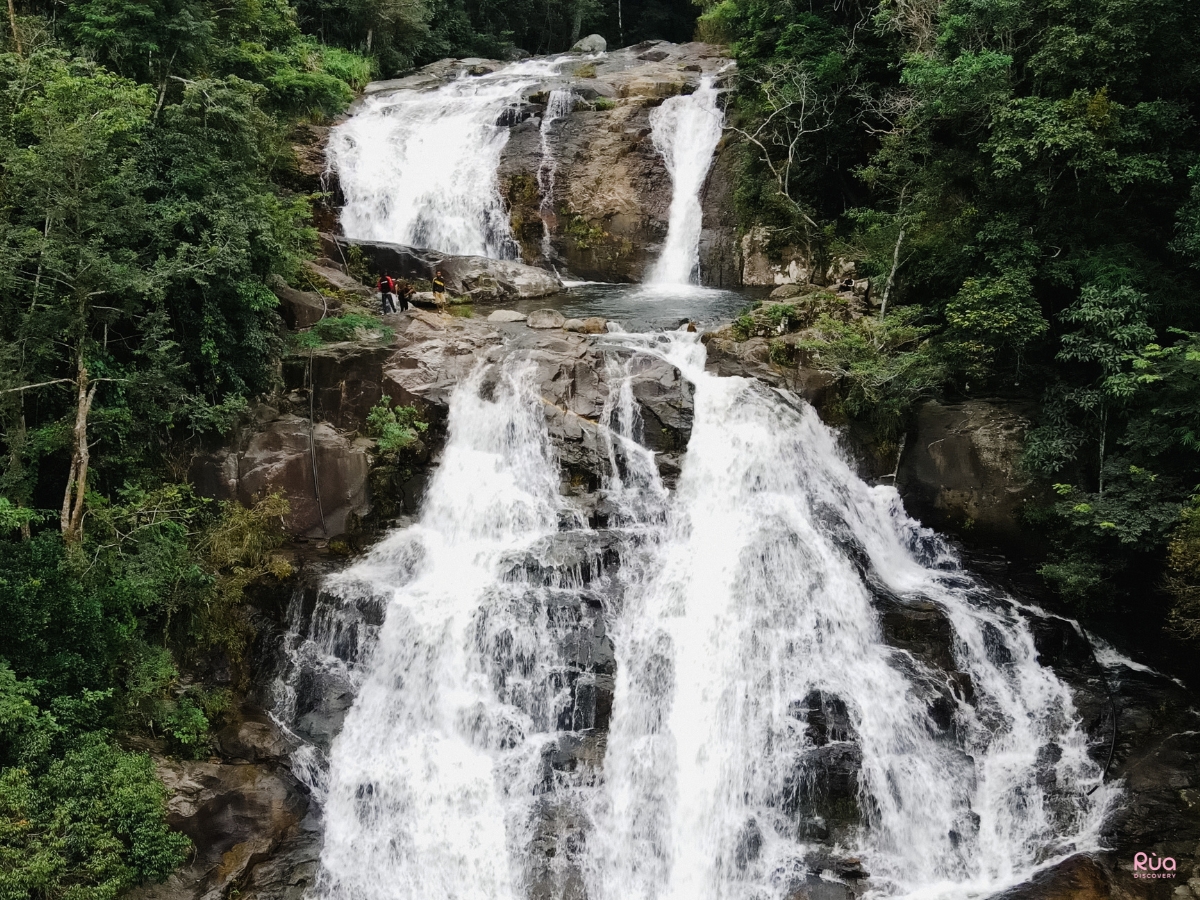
235,815
961,470
302,309
1077,878
279,458
254,739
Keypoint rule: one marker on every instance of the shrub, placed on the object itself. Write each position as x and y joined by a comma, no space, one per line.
394,427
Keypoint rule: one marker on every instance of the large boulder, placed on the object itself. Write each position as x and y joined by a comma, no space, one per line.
236,815
593,43
283,457
502,316
302,309
961,469
545,318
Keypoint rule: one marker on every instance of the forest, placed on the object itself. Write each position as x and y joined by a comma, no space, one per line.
1021,178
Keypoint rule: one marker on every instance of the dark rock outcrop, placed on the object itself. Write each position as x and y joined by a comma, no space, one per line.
961,472
303,309
246,820
280,458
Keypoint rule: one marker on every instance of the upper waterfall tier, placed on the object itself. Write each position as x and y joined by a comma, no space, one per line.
554,161
419,167
686,131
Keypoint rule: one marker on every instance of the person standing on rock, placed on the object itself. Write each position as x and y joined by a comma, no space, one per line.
405,294
387,292
439,287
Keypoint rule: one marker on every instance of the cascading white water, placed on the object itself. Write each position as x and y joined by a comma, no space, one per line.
558,106
419,167
686,131
751,600
756,605
432,776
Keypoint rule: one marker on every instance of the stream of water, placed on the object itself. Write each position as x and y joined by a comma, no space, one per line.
686,131
418,167
746,602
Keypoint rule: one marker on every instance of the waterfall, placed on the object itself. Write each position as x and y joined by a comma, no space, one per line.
434,781
758,707
766,733
419,167
558,106
686,131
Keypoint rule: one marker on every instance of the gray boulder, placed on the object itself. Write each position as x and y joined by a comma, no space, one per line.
506,315
302,309
593,43
546,318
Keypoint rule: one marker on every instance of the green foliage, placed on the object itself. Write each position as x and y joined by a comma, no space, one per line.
87,825
394,427
1183,582
883,367
1025,175
351,68
996,313
743,327
348,326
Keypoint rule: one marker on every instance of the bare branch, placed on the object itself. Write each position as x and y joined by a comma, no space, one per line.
30,387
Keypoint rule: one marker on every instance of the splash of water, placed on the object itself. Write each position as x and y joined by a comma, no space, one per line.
686,131
419,167
434,777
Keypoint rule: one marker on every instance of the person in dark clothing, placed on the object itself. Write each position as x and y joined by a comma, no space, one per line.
387,293
405,295
439,286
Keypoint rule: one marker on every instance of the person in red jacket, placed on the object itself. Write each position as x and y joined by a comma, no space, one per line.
387,293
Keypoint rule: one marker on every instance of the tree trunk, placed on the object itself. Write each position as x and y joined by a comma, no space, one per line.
891,279
73,496
12,23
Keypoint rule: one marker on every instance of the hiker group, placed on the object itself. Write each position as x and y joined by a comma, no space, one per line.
391,292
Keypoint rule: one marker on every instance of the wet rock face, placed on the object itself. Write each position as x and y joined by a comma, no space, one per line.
608,214
429,355
473,276
961,470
